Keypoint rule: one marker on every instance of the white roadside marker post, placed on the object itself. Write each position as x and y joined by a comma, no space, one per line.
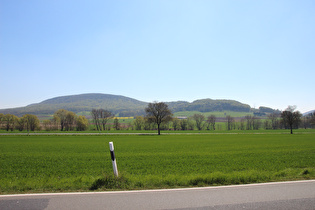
112,154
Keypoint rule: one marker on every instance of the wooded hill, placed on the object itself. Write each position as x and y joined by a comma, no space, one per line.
123,106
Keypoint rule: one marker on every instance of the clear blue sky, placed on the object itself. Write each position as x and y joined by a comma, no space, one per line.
257,52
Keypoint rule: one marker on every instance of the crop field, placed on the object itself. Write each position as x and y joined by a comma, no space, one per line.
222,114
83,163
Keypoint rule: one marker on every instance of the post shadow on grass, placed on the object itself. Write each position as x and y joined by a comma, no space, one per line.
110,182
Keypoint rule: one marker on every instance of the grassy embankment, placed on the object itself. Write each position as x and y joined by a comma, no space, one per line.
82,163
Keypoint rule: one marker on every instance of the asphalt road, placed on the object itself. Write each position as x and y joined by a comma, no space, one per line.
280,195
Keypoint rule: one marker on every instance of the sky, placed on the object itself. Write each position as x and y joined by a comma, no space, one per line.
261,53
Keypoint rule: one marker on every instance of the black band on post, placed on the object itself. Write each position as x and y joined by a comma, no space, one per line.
112,155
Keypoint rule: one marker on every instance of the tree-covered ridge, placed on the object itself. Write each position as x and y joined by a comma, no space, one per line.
80,103
96,99
124,106
209,105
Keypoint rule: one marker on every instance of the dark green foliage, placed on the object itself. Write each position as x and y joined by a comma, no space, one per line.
209,105
263,109
291,118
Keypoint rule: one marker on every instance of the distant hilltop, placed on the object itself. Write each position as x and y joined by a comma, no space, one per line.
309,112
125,106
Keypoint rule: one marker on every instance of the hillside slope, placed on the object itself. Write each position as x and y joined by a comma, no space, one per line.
209,105
124,106
82,102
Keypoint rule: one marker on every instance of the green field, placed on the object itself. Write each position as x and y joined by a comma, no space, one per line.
82,163
222,114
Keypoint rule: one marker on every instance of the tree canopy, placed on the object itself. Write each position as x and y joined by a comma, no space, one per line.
158,113
291,118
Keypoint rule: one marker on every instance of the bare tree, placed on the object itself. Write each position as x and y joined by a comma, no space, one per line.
211,122
242,124
229,122
116,124
291,118
199,118
256,123
158,113
274,118
105,115
267,124
96,119
101,117
249,122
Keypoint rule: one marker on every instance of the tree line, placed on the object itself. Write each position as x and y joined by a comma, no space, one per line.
10,122
288,119
157,117
62,120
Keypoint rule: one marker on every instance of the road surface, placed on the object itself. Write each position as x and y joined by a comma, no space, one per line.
278,195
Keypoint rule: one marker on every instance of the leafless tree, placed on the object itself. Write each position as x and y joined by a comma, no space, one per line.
229,122
211,122
256,123
267,124
116,124
249,122
101,117
96,119
274,118
242,124
105,115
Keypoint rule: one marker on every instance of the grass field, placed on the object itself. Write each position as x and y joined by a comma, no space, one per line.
82,163
217,114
